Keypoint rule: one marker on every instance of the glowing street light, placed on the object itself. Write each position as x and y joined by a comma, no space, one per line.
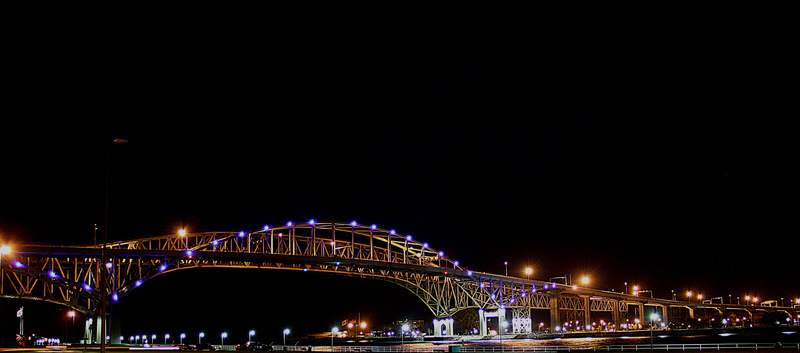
585,280
166,337
182,234
334,331
183,335
71,314
528,272
286,332
403,329
250,335
222,338
200,337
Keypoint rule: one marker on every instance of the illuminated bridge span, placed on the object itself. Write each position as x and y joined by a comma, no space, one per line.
69,275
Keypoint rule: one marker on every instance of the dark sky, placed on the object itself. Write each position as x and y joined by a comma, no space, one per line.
652,149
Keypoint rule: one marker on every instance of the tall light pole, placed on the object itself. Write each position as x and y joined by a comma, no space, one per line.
528,272
200,337
286,332
653,319
71,314
183,335
334,331
250,335
403,329
103,276
166,337
506,264
222,338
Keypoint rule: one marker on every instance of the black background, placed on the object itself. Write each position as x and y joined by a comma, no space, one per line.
641,146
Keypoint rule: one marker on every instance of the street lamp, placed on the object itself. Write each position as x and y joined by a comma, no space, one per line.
4,250
585,280
653,319
403,329
71,314
334,331
182,234
200,337
250,335
183,335
222,339
528,272
506,264
286,332
166,337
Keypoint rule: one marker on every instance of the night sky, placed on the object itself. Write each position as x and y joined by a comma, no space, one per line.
649,149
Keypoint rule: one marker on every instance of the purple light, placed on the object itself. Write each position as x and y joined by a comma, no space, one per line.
441,253
456,263
305,270
493,296
546,287
241,234
52,274
409,237
311,221
189,253
523,294
266,227
555,285
289,224
483,285
469,273
215,242
87,287
18,264
512,300
137,283
354,224
162,268
373,227
424,245
534,290
115,297
392,232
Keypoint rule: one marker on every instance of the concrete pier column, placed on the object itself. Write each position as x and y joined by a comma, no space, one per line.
664,314
87,330
555,313
640,315
615,314
482,321
587,311
443,327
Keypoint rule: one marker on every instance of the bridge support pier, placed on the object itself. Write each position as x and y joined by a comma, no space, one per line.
615,314
443,327
500,314
555,313
87,330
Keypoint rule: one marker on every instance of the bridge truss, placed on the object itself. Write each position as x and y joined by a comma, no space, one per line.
69,275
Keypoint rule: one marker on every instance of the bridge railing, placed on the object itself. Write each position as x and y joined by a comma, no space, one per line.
564,348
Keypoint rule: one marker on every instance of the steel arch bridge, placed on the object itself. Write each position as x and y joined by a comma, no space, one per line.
69,275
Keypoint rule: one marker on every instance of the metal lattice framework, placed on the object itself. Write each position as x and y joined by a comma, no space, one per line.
68,275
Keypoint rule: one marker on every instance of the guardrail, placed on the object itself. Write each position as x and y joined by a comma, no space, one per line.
598,348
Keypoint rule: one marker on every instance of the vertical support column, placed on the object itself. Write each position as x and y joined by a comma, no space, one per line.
555,313
448,327
482,322
98,333
665,314
501,316
587,311
87,330
691,312
615,314
641,313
